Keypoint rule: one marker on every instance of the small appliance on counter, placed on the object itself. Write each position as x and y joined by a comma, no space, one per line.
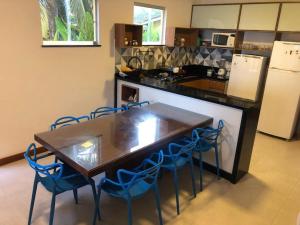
280,106
223,40
222,70
246,76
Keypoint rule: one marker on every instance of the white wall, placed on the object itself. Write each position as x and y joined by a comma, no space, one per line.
37,85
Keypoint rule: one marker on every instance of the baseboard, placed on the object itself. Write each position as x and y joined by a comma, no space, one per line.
19,156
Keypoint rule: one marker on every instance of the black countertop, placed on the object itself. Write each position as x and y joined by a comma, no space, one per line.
174,87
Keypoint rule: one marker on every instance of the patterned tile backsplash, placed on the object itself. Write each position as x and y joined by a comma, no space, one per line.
154,57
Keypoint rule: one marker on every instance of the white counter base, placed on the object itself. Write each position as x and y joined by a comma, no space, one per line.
231,116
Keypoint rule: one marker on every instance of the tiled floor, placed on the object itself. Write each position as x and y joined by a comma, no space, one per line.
269,195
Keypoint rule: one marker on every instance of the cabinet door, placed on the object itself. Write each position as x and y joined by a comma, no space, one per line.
259,16
289,18
215,16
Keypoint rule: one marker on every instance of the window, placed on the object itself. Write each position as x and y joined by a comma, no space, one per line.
153,20
69,22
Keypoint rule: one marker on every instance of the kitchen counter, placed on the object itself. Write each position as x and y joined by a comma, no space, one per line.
207,95
239,115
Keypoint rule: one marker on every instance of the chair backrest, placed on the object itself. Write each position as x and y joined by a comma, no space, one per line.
103,111
67,121
178,150
148,172
211,135
42,170
137,104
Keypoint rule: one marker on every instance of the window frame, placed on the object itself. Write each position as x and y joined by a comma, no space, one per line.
163,25
95,43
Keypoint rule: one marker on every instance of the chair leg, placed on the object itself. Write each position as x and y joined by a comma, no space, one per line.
35,184
201,170
129,211
175,181
75,192
160,174
157,199
96,199
52,209
191,166
217,161
55,161
97,203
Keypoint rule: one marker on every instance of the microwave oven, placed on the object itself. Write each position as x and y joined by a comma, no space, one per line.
223,40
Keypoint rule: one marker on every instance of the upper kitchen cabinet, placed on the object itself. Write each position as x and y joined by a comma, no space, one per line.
259,16
215,16
289,18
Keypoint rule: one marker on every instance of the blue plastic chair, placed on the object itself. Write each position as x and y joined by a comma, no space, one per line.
177,156
103,111
208,140
56,178
137,104
67,121
135,183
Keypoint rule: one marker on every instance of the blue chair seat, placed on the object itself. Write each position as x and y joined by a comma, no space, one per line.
169,164
135,183
178,155
135,191
56,178
62,185
203,146
208,140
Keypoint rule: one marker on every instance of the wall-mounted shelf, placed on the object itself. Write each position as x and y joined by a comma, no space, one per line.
181,37
132,33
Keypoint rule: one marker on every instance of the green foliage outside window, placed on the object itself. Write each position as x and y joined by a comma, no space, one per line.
152,21
67,20
153,34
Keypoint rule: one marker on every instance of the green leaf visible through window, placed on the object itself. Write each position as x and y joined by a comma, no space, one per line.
152,20
68,20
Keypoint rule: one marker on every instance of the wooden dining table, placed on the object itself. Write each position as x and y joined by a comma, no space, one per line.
98,145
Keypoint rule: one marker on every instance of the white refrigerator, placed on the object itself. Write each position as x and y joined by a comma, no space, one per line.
280,105
246,76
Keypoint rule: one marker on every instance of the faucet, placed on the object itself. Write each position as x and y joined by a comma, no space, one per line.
138,61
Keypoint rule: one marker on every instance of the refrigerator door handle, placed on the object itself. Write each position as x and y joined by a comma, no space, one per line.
293,71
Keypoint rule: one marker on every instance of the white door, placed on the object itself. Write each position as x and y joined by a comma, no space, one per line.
280,104
245,76
286,56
